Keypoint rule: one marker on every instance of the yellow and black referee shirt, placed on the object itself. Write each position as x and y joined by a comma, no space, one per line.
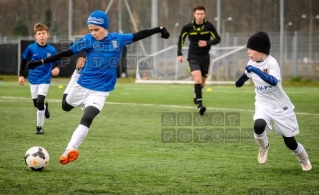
196,32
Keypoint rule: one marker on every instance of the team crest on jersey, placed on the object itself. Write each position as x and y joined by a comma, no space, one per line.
48,54
114,43
266,70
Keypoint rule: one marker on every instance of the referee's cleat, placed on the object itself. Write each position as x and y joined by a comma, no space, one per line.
201,110
39,130
263,154
69,156
47,113
305,165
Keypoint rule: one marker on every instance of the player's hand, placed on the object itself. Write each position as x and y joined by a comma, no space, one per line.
250,68
55,71
202,43
21,81
164,33
34,63
239,84
180,58
80,62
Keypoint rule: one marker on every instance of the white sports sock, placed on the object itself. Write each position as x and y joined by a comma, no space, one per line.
78,137
74,79
40,118
300,152
262,139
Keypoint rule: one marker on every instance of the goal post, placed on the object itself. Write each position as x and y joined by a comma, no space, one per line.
163,68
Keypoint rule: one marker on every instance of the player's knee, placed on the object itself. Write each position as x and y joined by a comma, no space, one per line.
35,103
66,107
197,79
40,104
89,115
259,126
197,76
291,142
87,120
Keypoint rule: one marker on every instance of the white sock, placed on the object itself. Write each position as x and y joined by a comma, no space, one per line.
300,152
78,137
262,139
40,118
74,79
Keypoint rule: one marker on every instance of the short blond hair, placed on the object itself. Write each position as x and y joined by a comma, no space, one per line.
40,27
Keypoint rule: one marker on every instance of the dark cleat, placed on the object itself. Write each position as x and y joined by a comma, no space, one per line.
39,130
201,110
47,113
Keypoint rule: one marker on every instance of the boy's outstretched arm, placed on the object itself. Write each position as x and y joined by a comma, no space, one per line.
149,32
266,77
242,79
49,59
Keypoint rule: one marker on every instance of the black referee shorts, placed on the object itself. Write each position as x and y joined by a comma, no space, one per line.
199,62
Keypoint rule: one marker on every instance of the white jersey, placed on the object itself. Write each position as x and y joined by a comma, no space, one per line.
272,98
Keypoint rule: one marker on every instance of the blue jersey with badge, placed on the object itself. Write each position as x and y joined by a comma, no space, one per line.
40,74
102,58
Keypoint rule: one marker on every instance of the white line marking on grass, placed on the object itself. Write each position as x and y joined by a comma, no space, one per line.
11,99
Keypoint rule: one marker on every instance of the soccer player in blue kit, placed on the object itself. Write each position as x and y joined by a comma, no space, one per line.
98,76
39,77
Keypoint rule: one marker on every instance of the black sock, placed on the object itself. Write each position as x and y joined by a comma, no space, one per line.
198,94
64,96
195,101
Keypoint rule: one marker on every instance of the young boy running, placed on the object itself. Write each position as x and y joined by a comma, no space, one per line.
272,105
39,77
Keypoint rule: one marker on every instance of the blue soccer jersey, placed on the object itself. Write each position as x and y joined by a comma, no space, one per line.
40,74
102,58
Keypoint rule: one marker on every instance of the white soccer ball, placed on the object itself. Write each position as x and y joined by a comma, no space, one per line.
37,158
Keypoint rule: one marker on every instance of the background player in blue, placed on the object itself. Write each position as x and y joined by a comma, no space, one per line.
39,77
98,76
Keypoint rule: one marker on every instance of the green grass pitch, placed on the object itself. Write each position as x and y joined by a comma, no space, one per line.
125,151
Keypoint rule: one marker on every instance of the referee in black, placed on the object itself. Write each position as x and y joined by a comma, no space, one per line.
200,32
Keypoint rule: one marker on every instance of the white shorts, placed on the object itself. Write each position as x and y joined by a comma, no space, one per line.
285,123
40,89
82,96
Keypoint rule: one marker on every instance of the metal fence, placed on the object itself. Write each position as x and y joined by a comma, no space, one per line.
300,56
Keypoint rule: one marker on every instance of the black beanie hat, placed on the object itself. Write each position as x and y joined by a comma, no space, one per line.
259,42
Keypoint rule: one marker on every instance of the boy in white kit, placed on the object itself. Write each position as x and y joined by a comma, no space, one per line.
271,102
